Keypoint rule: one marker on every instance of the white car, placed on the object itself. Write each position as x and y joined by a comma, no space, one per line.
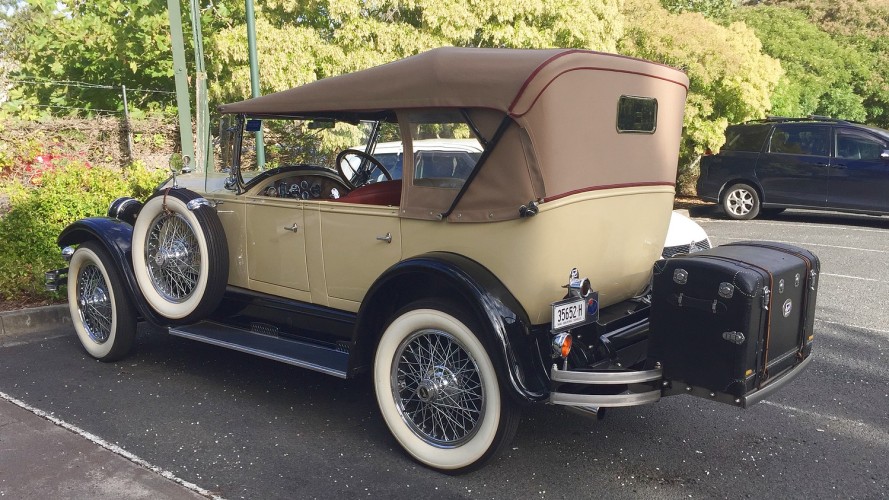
684,236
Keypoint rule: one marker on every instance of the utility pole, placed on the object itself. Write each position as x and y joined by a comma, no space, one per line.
179,70
204,158
254,78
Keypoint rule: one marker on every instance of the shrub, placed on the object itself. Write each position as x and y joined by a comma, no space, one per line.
28,232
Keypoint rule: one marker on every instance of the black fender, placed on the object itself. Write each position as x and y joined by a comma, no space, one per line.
508,334
116,237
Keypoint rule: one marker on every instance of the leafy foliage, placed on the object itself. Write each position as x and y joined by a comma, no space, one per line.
104,42
710,8
860,26
814,81
29,230
330,37
731,79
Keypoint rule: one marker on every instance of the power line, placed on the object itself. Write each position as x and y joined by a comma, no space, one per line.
72,83
74,107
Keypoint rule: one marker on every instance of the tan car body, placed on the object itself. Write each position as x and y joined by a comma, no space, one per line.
604,196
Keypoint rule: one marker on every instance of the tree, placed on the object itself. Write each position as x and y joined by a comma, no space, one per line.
716,9
100,42
823,76
861,26
731,78
303,40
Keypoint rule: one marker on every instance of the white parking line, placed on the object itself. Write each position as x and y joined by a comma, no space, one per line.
854,277
807,244
764,223
113,448
864,328
848,427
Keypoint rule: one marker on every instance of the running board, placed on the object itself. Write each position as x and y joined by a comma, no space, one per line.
330,360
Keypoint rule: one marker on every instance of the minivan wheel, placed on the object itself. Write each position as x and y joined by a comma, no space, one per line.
438,391
740,202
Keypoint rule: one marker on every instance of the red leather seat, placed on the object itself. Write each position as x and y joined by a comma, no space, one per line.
378,193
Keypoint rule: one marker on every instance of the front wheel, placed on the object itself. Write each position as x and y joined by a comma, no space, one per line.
101,310
438,391
741,202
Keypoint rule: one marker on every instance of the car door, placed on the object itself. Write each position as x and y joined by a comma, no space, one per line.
276,247
794,168
359,242
859,176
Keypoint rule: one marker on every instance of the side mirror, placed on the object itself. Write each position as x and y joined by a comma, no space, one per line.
179,163
885,155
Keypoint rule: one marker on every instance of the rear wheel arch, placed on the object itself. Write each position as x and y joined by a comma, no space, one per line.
459,281
741,180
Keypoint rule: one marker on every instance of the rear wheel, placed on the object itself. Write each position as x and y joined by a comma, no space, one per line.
101,311
741,202
438,391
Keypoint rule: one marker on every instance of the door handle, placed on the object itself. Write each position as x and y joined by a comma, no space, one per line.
387,238
293,228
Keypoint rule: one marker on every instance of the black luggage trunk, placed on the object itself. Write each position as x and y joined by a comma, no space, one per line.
728,321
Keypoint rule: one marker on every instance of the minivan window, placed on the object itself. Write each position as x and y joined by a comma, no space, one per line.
746,137
857,146
801,140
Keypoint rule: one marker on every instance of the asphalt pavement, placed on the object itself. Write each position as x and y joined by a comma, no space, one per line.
229,424
43,456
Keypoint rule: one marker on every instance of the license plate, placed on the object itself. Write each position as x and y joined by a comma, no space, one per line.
567,313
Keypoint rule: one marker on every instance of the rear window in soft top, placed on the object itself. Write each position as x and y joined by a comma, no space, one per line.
746,137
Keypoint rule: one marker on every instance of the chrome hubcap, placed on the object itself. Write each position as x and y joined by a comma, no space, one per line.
173,257
437,388
94,303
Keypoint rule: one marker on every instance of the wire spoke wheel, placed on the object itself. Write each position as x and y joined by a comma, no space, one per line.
173,257
180,256
437,388
94,303
101,310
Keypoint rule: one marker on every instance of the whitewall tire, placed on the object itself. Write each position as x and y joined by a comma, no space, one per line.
101,309
180,256
438,392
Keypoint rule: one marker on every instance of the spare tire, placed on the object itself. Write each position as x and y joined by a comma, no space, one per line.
180,255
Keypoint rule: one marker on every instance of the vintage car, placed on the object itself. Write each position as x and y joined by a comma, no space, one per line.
468,287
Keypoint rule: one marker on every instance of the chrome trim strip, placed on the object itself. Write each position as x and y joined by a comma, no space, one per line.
629,377
782,380
615,400
258,352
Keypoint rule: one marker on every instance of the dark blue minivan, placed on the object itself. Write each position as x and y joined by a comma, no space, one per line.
814,163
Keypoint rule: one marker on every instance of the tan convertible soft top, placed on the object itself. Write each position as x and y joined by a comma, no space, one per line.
563,101
445,77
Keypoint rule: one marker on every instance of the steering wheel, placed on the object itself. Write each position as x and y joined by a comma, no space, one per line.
362,174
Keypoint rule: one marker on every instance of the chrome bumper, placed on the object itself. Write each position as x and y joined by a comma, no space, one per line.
610,389
55,278
621,388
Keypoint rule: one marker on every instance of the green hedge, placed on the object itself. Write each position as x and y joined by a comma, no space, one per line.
38,214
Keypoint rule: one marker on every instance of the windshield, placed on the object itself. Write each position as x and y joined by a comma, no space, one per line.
291,142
